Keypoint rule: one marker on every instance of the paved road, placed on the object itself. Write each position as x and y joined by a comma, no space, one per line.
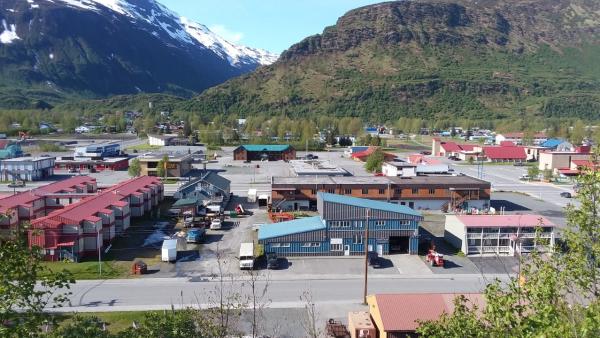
161,293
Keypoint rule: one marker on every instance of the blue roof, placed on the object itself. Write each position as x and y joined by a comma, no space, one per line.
366,203
266,147
552,143
296,226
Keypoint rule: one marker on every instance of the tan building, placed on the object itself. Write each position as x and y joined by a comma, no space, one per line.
178,165
555,160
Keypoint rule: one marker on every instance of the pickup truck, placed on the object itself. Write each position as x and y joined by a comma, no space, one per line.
195,235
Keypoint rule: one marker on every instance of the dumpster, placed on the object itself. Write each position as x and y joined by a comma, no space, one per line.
139,268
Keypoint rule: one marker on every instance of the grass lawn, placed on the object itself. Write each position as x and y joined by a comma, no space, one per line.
115,321
143,147
89,269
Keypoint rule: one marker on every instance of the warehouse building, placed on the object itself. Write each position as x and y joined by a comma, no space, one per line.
76,230
108,149
419,192
505,235
264,152
340,229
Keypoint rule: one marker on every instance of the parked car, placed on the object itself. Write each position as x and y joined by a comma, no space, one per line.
426,153
17,184
374,260
453,158
216,224
272,261
566,194
524,177
519,164
72,171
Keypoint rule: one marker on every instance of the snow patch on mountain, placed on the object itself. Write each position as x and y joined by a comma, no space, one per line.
178,28
9,34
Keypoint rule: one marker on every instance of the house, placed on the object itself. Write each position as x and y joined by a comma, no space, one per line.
29,205
354,149
517,138
339,230
401,169
556,144
264,152
178,164
505,235
27,168
76,230
108,149
91,164
419,192
208,188
398,315
450,148
507,152
364,155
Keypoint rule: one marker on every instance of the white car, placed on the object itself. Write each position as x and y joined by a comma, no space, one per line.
216,224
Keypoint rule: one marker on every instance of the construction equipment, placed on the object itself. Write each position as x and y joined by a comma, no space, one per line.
240,210
434,258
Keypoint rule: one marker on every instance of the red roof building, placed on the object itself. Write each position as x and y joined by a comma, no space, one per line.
74,231
28,205
363,155
511,153
398,315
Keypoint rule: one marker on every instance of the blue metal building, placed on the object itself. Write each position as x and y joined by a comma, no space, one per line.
340,229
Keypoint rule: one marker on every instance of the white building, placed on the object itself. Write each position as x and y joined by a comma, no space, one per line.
27,168
402,169
160,140
506,235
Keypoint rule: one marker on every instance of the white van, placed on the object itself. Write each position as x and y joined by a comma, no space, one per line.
247,256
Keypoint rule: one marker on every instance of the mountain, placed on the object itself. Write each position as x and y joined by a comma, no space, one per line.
433,59
52,49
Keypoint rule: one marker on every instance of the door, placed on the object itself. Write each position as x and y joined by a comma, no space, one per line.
380,249
346,250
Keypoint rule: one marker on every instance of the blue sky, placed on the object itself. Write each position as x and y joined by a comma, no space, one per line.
269,24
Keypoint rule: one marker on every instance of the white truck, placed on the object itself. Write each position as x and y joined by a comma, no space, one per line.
247,256
169,250
252,195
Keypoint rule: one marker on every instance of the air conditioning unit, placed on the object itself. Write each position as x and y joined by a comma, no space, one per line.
364,334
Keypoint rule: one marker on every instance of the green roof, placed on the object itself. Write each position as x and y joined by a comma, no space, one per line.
185,202
296,226
266,147
366,203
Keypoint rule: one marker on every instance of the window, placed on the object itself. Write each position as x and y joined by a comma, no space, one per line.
311,245
340,224
404,222
381,191
331,191
313,191
280,245
348,191
357,239
397,191
415,191
431,191
336,247
379,223
365,191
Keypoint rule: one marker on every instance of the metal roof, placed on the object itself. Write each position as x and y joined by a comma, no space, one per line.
504,221
366,203
265,147
185,201
296,226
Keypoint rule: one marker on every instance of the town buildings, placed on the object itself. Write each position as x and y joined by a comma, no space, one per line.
100,150
506,235
264,152
27,168
91,164
81,228
208,189
364,155
420,192
340,229
562,160
517,138
178,164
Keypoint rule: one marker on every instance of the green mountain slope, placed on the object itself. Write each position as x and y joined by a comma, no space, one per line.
432,59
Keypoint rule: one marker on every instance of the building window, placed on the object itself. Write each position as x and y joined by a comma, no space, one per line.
365,191
431,191
348,191
381,191
280,245
336,247
404,222
397,191
331,191
379,223
340,224
415,191
357,239
313,191
311,245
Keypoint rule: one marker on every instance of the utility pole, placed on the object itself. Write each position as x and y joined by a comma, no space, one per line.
366,245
